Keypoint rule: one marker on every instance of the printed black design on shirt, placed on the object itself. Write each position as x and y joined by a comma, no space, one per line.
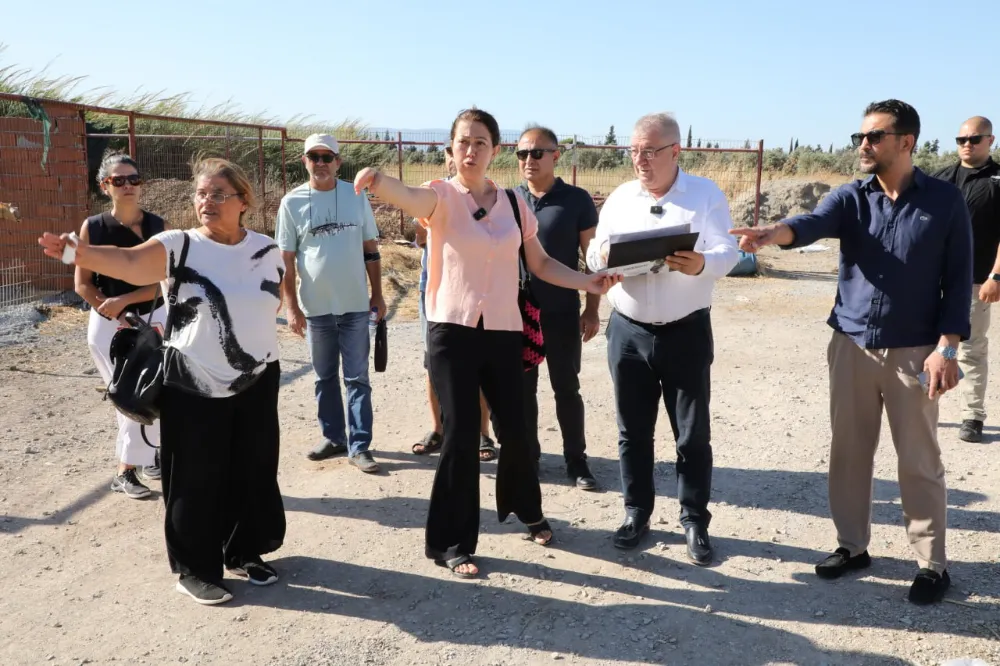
179,371
272,287
330,228
186,312
261,253
237,357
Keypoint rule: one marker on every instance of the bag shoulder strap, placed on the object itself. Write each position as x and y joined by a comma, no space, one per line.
523,262
174,288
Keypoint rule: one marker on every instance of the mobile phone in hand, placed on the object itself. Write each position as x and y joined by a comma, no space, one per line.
923,378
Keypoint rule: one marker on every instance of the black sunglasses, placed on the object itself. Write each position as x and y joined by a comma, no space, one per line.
119,181
975,139
325,158
874,137
536,153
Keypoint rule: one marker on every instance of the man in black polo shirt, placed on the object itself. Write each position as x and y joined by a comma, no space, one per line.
567,218
978,176
902,307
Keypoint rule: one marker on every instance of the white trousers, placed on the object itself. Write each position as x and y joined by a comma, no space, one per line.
130,447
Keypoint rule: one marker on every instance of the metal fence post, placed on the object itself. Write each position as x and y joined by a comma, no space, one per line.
399,155
573,175
131,136
760,170
260,168
284,165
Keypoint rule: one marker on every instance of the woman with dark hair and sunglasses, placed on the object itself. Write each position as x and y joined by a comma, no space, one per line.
475,329
125,225
219,401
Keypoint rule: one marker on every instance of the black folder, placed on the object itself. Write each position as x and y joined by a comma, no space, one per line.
638,247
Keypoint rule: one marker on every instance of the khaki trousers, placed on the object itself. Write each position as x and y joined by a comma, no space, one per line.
973,358
862,382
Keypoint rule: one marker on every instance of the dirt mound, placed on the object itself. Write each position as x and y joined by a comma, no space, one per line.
170,198
779,199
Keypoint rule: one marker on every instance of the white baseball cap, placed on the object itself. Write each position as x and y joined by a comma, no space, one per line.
321,141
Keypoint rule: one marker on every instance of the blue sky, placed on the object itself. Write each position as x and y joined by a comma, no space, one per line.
732,70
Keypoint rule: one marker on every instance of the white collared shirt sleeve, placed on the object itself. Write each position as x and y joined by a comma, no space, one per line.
721,251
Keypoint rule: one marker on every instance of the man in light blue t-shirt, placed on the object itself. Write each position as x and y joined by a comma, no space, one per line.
328,239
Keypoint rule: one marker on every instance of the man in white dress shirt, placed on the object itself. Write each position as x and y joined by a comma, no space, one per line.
660,332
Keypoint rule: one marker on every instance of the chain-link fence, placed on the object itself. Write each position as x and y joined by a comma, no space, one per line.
417,157
43,170
167,150
50,153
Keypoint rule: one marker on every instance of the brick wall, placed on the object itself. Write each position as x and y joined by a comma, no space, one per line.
49,197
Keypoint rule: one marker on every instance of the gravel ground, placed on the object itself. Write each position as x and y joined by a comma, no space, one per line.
86,579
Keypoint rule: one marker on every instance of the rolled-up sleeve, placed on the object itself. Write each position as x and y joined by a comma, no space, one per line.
956,277
721,252
824,222
440,215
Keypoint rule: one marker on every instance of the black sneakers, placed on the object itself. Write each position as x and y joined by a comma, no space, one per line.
364,461
129,484
929,587
971,431
840,562
256,571
203,592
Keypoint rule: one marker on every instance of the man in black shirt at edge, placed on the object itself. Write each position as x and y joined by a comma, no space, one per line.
978,176
567,220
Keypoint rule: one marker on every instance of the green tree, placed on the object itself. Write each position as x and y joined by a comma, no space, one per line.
699,143
689,137
611,139
791,146
796,144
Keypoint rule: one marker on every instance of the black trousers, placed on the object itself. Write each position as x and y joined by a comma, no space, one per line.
672,361
563,349
463,359
219,462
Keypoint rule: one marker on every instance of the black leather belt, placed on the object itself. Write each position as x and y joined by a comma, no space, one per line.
653,328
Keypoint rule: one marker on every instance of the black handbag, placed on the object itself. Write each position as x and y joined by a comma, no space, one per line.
137,354
531,313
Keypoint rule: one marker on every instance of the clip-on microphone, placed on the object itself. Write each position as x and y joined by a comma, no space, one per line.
479,214
656,210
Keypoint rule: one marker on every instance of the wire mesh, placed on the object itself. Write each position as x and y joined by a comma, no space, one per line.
43,172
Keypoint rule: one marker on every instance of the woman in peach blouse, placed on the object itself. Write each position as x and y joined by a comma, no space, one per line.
474,334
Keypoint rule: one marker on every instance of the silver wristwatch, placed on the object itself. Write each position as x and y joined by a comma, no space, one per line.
949,352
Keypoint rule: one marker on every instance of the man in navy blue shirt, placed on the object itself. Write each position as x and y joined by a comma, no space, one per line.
902,308
567,219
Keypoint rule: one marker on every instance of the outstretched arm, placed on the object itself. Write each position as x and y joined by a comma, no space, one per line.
140,265
418,202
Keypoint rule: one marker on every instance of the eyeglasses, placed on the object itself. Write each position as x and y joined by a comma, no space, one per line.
213,197
648,153
536,153
975,139
325,158
874,137
119,181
